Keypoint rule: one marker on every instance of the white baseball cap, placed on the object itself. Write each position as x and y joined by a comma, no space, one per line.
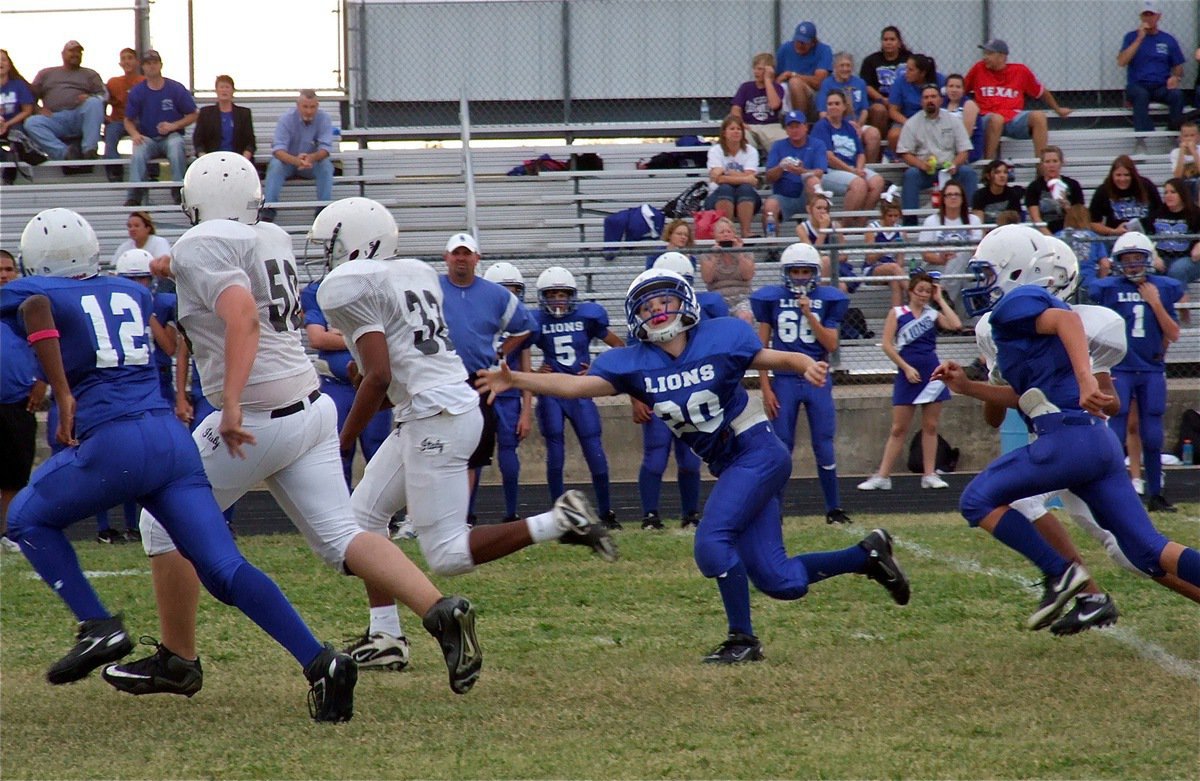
462,240
1151,7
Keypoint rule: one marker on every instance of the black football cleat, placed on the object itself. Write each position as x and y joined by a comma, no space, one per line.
737,649
1058,592
451,621
163,672
882,566
837,515
98,642
331,677
1091,611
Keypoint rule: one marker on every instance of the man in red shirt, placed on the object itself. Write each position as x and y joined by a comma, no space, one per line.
1000,89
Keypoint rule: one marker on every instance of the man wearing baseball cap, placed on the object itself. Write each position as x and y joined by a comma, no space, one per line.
479,314
794,169
156,113
802,64
1153,65
72,108
1000,88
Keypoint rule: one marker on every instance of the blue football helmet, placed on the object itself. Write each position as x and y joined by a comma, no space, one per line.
801,256
664,326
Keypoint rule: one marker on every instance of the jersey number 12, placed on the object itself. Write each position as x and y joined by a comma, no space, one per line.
129,331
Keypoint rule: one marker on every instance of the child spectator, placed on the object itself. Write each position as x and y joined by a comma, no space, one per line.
118,94
996,194
887,230
761,104
1185,162
1089,248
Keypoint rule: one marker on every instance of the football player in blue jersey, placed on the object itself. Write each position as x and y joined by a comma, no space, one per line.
330,345
656,437
514,409
91,335
564,330
1147,304
1042,355
690,372
802,315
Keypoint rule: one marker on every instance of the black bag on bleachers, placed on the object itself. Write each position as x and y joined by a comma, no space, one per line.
854,325
945,461
588,161
687,202
1189,428
670,160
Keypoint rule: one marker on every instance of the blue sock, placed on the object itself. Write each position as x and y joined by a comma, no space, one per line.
102,521
260,599
1020,535
734,586
1189,566
829,487
554,481
600,486
132,513
510,473
828,563
689,491
649,488
55,561
1152,460
471,502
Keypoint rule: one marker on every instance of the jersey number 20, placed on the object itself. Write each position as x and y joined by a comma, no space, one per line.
703,413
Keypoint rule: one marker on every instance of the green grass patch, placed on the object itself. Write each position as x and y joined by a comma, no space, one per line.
592,671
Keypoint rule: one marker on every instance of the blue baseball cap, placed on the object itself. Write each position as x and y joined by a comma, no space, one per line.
794,116
806,32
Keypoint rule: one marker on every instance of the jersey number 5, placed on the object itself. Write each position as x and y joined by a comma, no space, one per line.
129,331
284,310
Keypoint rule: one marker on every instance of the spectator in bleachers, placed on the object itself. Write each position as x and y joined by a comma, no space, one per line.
729,273
822,232
16,105
1050,194
118,93
302,146
952,222
142,235
225,126
879,71
1177,215
761,103
955,105
156,113
846,158
931,142
910,341
1089,248
67,126
995,193
1124,200
678,236
1153,65
855,91
795,167
802,64
887,230
904,100
1185,160
733,174
999,89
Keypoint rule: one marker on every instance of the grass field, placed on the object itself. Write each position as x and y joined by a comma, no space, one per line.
592,671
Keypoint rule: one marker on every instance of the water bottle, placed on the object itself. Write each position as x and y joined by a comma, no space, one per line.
337,138
704,116
772,226
1188,455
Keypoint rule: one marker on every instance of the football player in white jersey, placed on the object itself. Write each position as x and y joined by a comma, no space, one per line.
239,308
1010,248
390,310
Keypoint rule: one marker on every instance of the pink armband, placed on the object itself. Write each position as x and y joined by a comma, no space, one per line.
37,336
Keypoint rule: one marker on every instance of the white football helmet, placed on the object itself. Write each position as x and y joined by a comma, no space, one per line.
679,263
59,243
800,256
354,228
134,263
1014,255
1133,255
661,326
1067,255
505,273
557,278
222,186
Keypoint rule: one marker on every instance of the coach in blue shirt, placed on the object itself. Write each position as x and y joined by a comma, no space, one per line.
1154,69
478,313
156,112
302,147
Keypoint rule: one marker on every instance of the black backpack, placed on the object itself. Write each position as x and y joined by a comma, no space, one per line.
687,202
945,461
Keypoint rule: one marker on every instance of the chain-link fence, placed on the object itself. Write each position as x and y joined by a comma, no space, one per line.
531,62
